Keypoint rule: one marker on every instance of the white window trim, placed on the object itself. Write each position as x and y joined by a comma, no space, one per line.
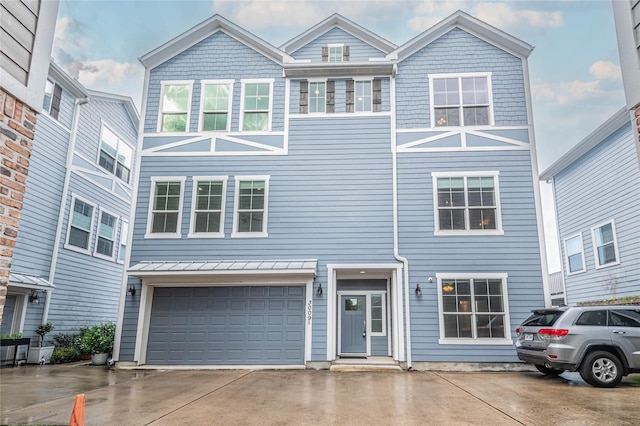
265,217
120,140
355,82
467,232
475,341
165,83
566,254
178,233
116,243
229,107
124,237
244,82
615,244
329,46
69,246
317,80
461,75
53,87
192,225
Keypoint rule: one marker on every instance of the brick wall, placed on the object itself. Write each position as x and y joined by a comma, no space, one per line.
17,128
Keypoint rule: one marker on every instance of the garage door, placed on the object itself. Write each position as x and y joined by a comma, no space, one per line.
227,326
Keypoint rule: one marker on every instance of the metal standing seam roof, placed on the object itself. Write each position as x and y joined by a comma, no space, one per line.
29,281
227,267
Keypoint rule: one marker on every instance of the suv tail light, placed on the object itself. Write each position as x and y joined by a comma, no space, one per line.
518,331
553,333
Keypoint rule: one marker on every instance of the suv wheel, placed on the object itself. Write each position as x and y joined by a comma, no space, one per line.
601,369
548,371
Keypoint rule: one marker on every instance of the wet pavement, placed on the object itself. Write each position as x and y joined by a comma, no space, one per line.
46,394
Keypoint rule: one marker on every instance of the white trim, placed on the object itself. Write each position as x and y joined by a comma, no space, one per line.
308,327
244,82
335,45
265,216
67,245
104,125
369,333
165,83
459,76
355,102
194,193
229,106
112,258
566,254
595,247
154,181
506,340
467,231
324,105
340,115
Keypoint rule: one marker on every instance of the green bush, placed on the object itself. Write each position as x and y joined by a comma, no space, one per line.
62,340
61,355
97,339
42,330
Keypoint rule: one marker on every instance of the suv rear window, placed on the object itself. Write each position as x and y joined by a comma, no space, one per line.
542,318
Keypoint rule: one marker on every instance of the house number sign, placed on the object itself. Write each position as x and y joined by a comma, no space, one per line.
309,312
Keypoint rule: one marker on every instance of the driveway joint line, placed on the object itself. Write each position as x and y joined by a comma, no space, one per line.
478,398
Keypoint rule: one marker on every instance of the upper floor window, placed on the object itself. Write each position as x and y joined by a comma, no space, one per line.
473,307
105,245
124,234
174,109
605,246
335,53
250,218
574,254
52,98
165,209
116,155
80,225
216,105
363,97
207,218
461,100
466,203
317,96
256,105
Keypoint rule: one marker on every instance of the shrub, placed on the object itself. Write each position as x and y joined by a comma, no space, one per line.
42,330
97,339
62,340
64,354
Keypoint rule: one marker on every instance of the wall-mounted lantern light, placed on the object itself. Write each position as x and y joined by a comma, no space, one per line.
418,290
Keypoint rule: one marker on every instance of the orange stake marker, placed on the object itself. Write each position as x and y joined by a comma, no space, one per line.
77,415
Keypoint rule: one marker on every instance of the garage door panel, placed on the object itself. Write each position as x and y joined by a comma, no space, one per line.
227,325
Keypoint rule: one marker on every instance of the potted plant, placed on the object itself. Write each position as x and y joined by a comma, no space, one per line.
41,354
98,341
13,342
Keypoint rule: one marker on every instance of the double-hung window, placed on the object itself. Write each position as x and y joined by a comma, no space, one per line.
216,105
116,156
574,254
175,106
461,100
605,246
251,206
363,97
317,96
124,234
165,212
105,244
256,105
335,52
473,308
466,203
80,225
207,219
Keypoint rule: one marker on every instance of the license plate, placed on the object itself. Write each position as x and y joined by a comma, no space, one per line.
528,336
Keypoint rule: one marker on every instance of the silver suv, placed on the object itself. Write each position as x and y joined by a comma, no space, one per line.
601,342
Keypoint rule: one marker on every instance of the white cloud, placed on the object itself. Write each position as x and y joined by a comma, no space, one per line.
566,92
106,70
267,14
605,70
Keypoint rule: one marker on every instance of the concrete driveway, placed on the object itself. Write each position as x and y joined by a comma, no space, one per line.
46,394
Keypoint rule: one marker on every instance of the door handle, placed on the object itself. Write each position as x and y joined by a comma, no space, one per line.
364,329
618,332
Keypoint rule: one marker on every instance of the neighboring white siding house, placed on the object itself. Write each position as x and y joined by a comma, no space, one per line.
338,196
68,261
597,192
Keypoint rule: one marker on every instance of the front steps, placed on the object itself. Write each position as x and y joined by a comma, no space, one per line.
372,363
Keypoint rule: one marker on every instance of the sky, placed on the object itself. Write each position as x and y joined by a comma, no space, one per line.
576,83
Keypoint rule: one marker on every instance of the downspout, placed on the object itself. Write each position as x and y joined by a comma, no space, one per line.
63,201
396,250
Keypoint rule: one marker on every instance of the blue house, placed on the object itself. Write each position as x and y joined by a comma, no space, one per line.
338,196
68,261
597,191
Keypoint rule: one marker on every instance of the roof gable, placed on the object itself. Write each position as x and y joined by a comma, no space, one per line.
129,106
203,30
469,24
338,21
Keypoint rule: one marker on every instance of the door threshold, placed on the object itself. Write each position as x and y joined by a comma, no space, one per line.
372,363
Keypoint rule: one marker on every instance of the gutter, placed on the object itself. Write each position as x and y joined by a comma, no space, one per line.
63,201
396,250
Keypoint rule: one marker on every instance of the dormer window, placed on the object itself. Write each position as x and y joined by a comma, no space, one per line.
335,53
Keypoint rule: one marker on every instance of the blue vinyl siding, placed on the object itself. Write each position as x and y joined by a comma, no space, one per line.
219,56
602,185
460,52
358,50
